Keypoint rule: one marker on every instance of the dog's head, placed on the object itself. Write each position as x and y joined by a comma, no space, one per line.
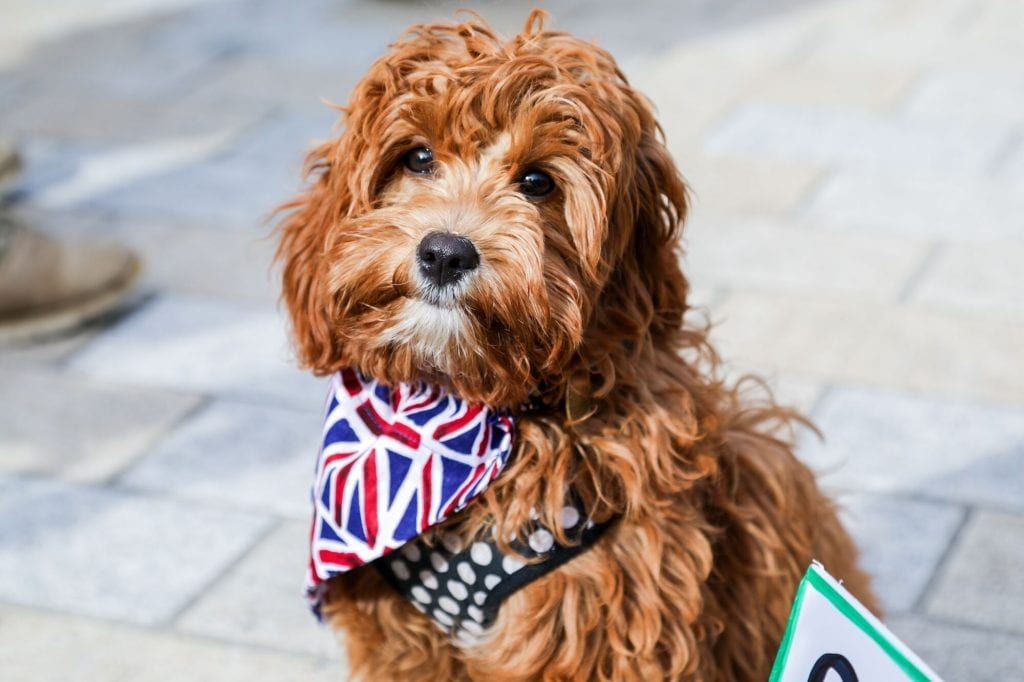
498,215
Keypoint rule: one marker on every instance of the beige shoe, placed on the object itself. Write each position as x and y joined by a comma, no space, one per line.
10,164
48,287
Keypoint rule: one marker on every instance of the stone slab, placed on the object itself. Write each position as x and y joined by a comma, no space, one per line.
846,339
961,653
981,583
840,136
74,649
80,429
97,552
901,542
261,602
766,255
255,457
978,97
205,346
947,449
731,186
981,276
929,205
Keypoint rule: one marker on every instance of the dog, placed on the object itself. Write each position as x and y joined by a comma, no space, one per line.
501,217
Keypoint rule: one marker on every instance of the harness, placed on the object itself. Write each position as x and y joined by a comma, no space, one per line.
462,587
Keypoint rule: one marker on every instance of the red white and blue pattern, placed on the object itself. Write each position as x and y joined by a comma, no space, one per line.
395,461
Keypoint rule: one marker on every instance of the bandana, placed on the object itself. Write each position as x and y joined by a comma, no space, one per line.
394,462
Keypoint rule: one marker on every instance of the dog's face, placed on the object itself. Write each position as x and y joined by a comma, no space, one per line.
487,202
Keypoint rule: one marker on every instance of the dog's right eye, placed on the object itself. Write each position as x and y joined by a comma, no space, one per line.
419,160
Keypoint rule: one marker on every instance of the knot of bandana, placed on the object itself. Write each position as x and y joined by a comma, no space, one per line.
395,461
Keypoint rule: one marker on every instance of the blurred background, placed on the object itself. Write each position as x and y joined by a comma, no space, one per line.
857,234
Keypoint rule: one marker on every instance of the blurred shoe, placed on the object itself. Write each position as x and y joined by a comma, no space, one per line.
10,164
48,287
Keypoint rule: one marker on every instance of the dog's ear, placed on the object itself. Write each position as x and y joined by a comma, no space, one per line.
646,291
304,234
344,175
662,203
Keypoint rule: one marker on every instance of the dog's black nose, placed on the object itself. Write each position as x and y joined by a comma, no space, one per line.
444,258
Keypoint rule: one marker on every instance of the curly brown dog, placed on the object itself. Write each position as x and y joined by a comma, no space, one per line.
537,151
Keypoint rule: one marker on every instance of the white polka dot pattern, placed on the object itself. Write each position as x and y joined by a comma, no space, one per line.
460,585
438,562
480,553
466,573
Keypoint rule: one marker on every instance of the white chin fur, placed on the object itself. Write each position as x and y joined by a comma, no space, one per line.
429,329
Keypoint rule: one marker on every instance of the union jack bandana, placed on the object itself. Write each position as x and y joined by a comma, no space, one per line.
395,461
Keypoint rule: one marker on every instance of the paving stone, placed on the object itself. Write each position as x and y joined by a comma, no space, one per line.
1011,168
799,394
691,87
765,255
84,114
960,653
975,276
103,553
981,583
267,80
883,34
74,649
647,31
202,260
839,339
814,85
252,456
726,186
973,97
920,204
891,442
44,353
240,188
104,170
114,59
855,139
261,602
76,429
202,345
990,41
901,543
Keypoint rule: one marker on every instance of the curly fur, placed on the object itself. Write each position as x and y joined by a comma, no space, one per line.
579,301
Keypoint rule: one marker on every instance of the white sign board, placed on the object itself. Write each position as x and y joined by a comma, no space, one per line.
831,637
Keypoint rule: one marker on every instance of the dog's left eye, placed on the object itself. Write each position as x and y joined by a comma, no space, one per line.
419,160
536,184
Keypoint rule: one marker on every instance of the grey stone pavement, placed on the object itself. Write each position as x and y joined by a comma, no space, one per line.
858,235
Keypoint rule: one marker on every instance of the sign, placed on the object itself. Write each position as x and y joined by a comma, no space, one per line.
831,637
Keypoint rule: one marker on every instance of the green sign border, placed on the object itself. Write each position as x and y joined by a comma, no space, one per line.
815,579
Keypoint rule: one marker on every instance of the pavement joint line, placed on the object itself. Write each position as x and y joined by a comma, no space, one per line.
823,395
897,107
803,48
914,279
924,498
206,502
272,525
110,322
211,504
801,208
942,564
951,621
970,13
115,479
163,629
1014,143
